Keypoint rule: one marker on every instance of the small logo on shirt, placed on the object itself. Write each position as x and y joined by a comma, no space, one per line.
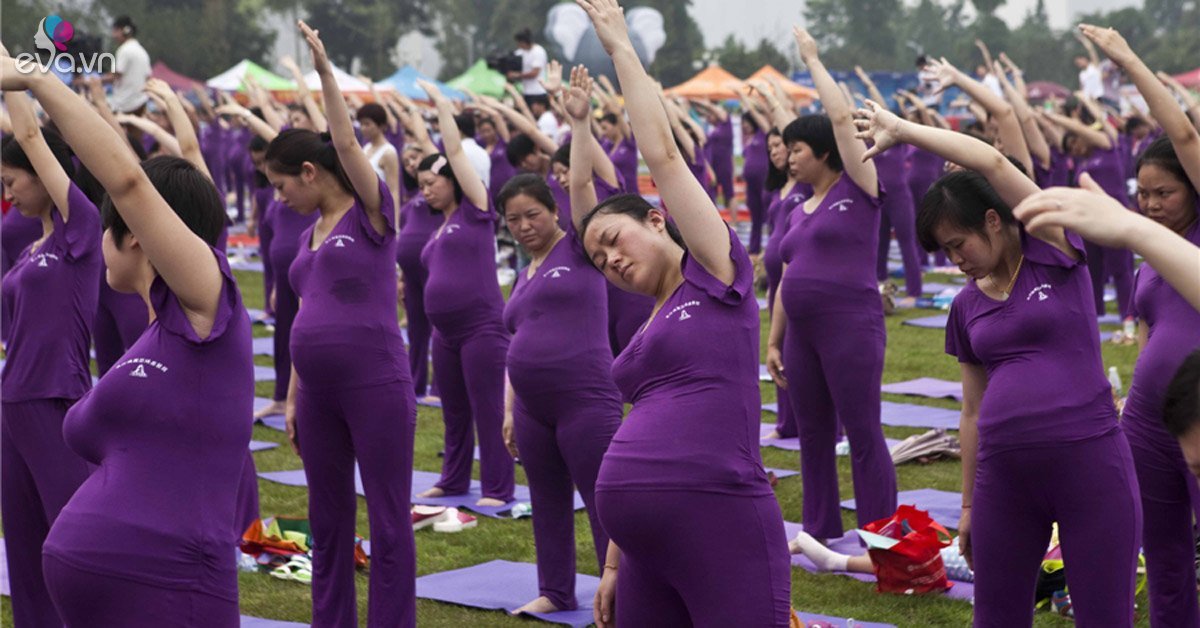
339,241
842,205
450,229
42,257
556,272
1040,291
139,370
682,310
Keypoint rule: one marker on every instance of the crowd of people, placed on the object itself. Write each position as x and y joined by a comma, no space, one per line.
123,501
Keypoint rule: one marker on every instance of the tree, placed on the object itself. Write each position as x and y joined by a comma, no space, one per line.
685,44
460,24
852,32
366,29
742,62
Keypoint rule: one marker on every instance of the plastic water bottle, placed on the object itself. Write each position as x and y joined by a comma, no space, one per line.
1130,328
1114,380
521,510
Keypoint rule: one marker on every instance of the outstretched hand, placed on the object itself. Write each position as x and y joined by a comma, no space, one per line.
806,44
1110,42
876,124
609,20
577,99
435,94
553,81
945,73
1087,211
317,47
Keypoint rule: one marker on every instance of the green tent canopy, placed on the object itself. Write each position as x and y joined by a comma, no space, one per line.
231,80
481,80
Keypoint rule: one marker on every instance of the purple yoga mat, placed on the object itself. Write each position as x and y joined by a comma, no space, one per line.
254,266
4,590
762,303
258,445
935,287
944,506
763,375
505,585
263,346
841,622
792,444
264,373
422,481
849,544
928,322
258,622
926,387
909,415
1109,319
274,421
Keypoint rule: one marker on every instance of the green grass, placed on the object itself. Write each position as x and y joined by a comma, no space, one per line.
911,353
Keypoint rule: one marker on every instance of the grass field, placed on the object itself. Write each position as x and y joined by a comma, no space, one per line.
911,353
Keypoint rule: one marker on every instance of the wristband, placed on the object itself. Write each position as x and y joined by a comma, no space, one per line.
612,567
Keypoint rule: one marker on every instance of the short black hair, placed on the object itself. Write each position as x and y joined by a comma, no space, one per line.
922,61
632,205
749,119
290,149
125,23
962,199
519,147
562,155
524,36
445,171
12,155
1134,123
259,145
466,125
610,118
186,190
1181,410
527,184
373,112
776,178
1161,153
816,131
538,99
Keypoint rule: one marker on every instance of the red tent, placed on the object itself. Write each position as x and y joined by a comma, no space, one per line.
1042,90
176,80
1189,79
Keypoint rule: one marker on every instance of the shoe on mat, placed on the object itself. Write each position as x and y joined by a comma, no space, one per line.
455,521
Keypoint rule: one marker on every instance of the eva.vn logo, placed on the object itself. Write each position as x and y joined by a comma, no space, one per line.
52,36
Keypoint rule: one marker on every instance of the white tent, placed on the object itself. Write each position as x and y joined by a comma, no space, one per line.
231,80
347,83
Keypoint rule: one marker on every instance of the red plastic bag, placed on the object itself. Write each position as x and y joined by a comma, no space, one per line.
908,558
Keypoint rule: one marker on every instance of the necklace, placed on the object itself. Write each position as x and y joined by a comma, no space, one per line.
1011,282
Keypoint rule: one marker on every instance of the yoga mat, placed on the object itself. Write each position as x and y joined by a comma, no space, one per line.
762,303
792,444
258,445
274,421
926,387
935,287
841,622
781,473
928,322
1109,319
763,375
4,590
253,266
432,403
944,506
422,481
258,622
263,346
258,317
505,585
264,373
910,415
849,544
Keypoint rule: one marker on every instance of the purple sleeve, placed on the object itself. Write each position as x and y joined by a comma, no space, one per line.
477,214
958,343
386,207
173,318
1037,250
743,277
82,231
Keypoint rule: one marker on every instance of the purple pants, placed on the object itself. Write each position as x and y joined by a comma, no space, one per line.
832,377
120,320
756,183
84,598
268,281
691,558
247,497
722,166
898,215
1090,488
1166,487
1104,263
469,371
374,425
38,475
562,437
419,328
287,304
785,424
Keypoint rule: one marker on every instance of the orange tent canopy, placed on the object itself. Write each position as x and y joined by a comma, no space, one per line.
795,90
712,82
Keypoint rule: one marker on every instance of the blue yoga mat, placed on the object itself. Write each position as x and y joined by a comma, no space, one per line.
944,506
791,444
849,544
906,415
422,481
254,266
927,322
505,585
258,445
263,346
258,622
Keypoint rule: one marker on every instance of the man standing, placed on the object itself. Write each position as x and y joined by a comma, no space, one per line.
131,71
533,62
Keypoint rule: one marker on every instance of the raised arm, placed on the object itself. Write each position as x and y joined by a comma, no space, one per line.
341,131
486,108
987,54
165,140
1099,114
185,133
519,103
256,124
780,115
1094,138
29,136
304,95
528,127
1039,150
469,180
872,89
1093,58
582,187
706,234
1190,102
749,108
263,100
414,125
1158,98
1018,76
613,105
686,119
183,260
852,150
1009,127
678,130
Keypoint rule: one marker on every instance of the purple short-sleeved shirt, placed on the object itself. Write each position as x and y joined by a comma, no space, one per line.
346,334
285,227
1174,327
779,212
168,427
720,140
892,167
1041,349
50,300
692,377
16,233
501,170
755,159
625,158
461,259
1107,168
418,222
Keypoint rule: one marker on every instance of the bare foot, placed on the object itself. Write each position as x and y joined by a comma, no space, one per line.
431,399
276,407
489,502
540,605
773,435
433,492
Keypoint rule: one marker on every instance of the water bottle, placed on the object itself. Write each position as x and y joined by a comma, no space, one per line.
1130,328
1114,379
521,510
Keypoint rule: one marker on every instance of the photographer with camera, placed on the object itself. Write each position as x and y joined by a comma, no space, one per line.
533,63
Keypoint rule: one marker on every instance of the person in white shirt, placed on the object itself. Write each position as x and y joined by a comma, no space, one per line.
928,88
480,160
1091,79
533,64
132,68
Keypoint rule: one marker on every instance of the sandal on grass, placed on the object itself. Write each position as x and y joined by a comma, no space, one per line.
298,569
